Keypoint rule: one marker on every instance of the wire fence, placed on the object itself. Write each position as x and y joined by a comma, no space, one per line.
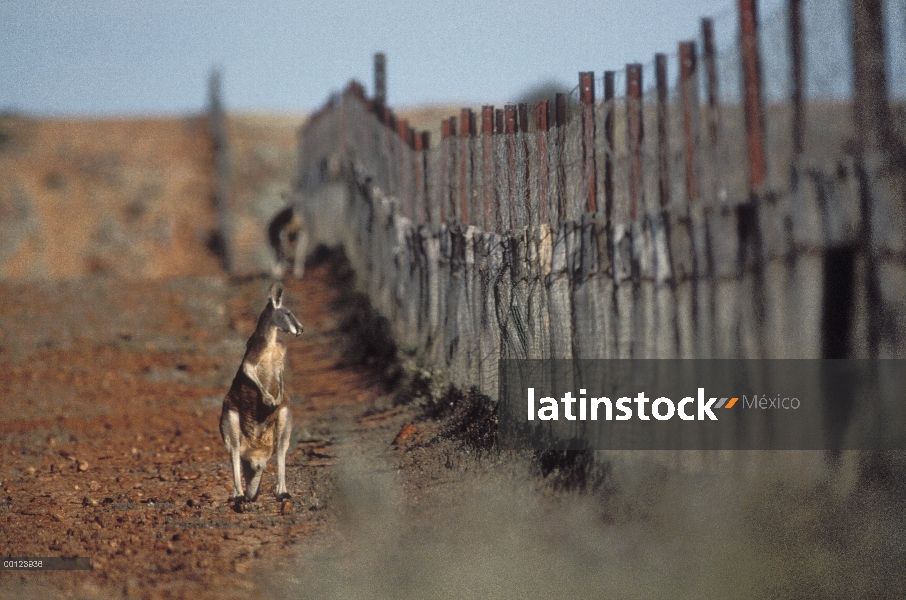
741,197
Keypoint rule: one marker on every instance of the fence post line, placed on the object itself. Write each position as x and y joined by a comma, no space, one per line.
690,108
466,131
663,140
509,117
498,120
487,168
587,100
609,133
635,134
542,126
753,103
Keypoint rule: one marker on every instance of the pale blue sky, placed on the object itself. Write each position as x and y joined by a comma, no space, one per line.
103,57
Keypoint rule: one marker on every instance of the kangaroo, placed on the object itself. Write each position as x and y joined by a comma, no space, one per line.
288,236
255,421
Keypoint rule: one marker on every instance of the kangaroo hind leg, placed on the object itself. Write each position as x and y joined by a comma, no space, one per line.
229,429
284,429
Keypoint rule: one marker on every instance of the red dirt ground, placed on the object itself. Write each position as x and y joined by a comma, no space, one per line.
119,335
111,440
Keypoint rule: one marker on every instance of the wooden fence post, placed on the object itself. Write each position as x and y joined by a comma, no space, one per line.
542,116
380,84
446,130
217,125
421,196
881,157
466,131
509,117
690,108
587,100
634,135
797,55
390,123
405,195
752,93
560,122
709,58
663,139
610,147
714,177
522,126
491,220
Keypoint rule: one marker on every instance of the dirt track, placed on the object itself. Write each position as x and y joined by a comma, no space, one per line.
110,431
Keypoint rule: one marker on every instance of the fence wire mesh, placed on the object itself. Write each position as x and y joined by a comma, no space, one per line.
633,228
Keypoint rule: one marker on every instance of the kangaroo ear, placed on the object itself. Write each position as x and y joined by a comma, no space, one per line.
276,294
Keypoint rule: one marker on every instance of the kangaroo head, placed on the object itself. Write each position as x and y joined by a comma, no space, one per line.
281,317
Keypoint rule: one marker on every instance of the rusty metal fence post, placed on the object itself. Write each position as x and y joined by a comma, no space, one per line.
587,101
421,180
663,119
404,194
509,117
690,108
714,178
380,84
447,126
609,132
522,126
466,131
491,221
542,116
635,134
560,122
753,103
797,57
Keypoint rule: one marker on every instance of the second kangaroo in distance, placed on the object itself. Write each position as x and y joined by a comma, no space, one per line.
255,421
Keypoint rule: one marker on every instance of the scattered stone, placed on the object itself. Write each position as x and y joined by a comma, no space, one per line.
407,430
